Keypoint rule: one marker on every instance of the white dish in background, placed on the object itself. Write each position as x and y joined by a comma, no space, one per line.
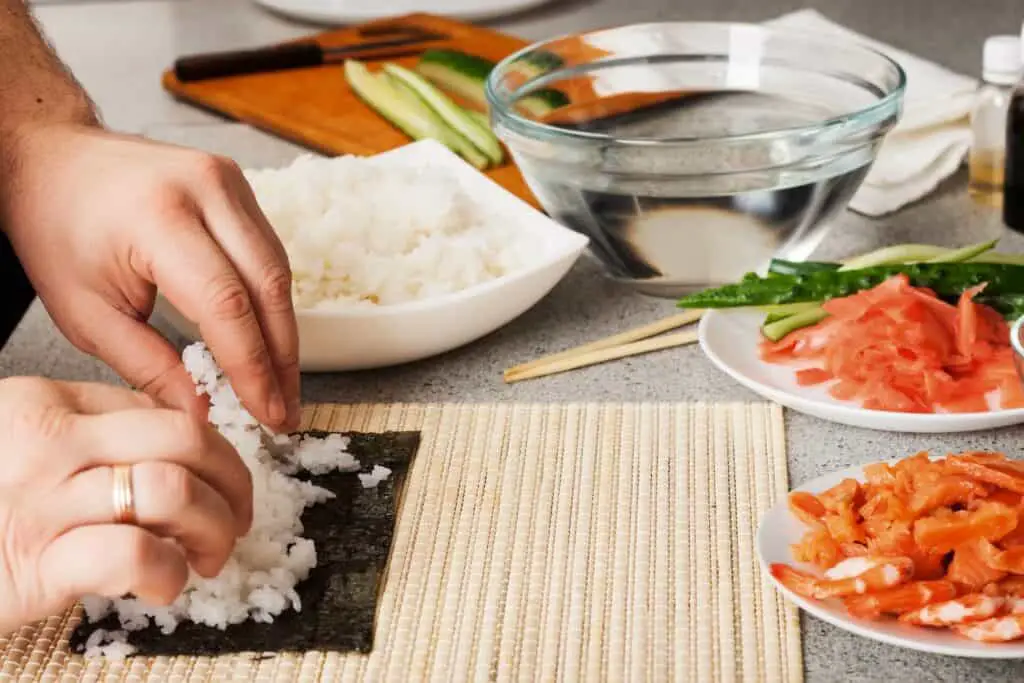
353,11
365,338
730,338
780,529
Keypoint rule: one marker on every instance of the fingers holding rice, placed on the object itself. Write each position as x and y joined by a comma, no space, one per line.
114,560
136,436
169,501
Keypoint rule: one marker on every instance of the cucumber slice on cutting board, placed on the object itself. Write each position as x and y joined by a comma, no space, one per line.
482,119
452,138
460,73
405,110
455,116
465,75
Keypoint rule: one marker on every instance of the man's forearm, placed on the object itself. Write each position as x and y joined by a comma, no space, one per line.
35,87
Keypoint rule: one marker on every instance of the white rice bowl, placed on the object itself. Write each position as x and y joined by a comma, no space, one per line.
403,256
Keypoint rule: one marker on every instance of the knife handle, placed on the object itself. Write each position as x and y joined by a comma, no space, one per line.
221,64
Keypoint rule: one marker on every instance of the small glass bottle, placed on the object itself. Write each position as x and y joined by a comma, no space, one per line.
1013,202
986,160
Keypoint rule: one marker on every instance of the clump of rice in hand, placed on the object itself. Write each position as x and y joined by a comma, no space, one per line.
363,232
258,582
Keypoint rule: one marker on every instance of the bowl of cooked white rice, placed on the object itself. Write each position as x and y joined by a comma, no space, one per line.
402,256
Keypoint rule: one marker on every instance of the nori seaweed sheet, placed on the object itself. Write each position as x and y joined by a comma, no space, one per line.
353,535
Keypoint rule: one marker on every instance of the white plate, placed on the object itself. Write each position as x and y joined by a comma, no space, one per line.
730,338
780,529
365,338
352,11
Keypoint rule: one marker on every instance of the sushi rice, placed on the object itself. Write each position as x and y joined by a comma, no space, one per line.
364,232
258,582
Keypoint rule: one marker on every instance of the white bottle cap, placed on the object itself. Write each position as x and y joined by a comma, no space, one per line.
1003,56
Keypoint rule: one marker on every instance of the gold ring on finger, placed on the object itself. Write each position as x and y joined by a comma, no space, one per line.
124,495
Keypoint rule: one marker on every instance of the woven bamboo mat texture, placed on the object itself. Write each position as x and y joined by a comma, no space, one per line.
587,542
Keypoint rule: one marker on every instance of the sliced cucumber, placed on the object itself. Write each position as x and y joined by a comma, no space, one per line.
453,139
999,257
543,102
966,254
457,72
471,66
539,62
406,111
466,75
900,253
777,325
777,329
417,122
779,311
783,267
482,119
452,114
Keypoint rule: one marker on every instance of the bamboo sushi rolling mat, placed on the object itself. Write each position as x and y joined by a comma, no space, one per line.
609,542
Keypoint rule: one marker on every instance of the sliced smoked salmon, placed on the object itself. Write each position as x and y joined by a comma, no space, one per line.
900,348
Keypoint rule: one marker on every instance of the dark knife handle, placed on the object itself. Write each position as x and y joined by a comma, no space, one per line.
221,64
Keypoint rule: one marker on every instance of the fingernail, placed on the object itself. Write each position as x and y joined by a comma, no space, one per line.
294,412
277,411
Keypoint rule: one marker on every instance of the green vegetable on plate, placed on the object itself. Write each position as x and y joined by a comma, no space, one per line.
791,293
783,267
946,279
778,326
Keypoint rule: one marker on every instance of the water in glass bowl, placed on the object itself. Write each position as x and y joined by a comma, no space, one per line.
670,220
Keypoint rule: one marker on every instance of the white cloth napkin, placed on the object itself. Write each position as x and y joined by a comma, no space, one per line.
933,135
926,146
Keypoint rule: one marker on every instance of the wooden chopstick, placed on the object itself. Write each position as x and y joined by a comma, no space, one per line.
591,353
604,355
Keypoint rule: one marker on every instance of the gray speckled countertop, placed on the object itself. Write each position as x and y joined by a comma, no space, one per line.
119,48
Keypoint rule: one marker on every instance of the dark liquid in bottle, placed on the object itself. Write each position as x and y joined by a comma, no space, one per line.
1013,188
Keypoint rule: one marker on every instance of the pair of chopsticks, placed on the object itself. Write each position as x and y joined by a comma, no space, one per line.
303,54
630,343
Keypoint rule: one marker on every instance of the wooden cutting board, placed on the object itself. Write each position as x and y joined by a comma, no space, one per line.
315,107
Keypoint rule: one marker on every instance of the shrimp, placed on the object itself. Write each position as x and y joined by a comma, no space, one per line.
997,630
905,598
1008,592
806,507
970,608
852,576
1010,560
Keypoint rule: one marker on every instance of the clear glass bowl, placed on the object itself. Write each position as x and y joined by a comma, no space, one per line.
692,153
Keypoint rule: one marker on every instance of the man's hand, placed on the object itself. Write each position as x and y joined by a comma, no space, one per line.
101,221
